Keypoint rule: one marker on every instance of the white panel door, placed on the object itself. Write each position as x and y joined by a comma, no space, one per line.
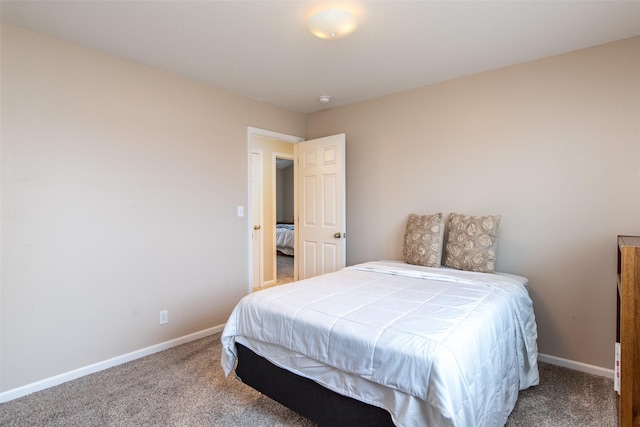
321,206
256,218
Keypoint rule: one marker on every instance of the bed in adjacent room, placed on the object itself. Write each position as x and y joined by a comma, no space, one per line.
285,238
390,343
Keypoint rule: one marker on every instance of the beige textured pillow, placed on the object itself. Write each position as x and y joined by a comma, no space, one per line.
423,240
472,242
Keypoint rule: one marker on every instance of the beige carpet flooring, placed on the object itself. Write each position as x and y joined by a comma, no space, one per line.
185,386
285,269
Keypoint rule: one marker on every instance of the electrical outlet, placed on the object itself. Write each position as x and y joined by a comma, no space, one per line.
164,317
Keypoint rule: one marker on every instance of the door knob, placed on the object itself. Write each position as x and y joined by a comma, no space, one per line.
256,227
337,235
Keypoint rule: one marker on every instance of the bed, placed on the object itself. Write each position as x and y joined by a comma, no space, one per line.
400,344
285,238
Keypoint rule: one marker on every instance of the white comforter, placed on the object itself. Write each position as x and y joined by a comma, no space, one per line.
462,342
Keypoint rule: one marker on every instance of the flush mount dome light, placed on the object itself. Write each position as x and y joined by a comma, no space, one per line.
332,24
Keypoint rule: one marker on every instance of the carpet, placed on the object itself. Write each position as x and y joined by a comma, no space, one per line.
185,386
285,269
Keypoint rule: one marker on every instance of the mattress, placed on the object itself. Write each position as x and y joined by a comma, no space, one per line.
431,346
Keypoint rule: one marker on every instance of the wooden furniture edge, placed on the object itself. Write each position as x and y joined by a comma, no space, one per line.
629,329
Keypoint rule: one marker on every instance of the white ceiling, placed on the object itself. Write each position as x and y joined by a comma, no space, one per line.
262,49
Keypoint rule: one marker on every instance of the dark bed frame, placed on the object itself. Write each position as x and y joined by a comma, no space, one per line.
306,397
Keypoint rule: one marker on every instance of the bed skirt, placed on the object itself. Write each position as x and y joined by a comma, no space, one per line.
306,397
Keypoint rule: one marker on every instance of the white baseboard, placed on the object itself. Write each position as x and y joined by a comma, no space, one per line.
118,360
576,366
100,366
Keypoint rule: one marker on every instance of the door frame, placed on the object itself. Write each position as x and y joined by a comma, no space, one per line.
251,132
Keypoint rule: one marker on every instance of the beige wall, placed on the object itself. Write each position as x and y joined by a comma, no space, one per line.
120,185
552,145
270,148
119,192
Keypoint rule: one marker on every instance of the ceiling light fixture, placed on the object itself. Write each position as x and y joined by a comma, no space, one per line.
324,99
332,24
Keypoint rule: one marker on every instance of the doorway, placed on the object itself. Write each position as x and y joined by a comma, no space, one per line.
277,155
319,204
285,224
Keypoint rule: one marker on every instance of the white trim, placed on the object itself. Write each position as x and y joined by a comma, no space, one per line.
106,364
118,360
273,135
576,366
